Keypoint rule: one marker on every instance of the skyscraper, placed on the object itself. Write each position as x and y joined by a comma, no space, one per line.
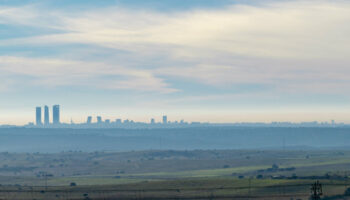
46,116
38,116
165,119
99,119
56,114
89,119
152,121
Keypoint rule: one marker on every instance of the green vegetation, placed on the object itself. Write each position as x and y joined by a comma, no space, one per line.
224,174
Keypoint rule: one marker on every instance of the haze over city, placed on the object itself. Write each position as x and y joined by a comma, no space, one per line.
199,60
46,117
174,99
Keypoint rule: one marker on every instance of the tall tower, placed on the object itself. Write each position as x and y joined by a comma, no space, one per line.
46,116
38,116
56,114
99,119
165,119
89,119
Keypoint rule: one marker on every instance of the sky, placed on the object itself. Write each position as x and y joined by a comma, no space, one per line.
197,60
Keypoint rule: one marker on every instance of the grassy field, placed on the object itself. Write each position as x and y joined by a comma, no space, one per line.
228,174
192,188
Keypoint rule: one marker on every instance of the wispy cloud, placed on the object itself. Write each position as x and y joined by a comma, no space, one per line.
289,46
56,72
279,30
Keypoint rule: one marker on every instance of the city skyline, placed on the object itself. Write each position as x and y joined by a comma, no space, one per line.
98,121
89,120
202,60
174,99
55,115
42,113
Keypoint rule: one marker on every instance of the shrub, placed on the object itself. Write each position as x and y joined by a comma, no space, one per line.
72,184
347,192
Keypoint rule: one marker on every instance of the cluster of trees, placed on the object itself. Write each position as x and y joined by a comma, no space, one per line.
275,168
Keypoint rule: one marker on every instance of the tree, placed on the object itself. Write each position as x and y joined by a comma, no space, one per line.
72,184
275,166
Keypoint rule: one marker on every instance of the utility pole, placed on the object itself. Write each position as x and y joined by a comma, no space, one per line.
45,180
316,191
284,143
249,186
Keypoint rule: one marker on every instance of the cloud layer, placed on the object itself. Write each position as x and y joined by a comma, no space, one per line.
289,47
210,41
55,72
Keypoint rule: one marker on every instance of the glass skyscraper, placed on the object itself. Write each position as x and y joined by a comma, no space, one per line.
99,119
46,116
165,119
89,119
56,114
38,116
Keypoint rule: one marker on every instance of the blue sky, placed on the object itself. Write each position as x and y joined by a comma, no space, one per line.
198,60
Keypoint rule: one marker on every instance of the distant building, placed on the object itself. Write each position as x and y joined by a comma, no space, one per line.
153,121
118,121
89,120
165,119
38,116
56,114
107,121
99,119
46,116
